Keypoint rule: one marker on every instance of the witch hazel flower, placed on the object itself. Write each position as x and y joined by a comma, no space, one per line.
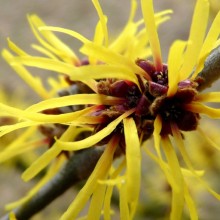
119,96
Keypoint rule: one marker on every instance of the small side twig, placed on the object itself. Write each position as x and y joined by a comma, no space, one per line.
78,168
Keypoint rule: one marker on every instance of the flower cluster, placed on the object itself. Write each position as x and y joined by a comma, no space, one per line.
119,95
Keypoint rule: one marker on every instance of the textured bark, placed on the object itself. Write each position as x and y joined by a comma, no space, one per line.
211,70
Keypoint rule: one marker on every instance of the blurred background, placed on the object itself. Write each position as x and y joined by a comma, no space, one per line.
80,16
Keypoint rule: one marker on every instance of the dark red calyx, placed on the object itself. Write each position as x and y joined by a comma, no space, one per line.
188,121
121,88
188,84
156,89
185,95
157,77
146,65
143,106
172,111
184,84
147,128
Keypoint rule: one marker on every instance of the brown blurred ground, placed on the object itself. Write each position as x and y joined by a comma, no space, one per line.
80,16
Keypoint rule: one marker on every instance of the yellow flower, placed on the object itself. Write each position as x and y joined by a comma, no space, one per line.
120,98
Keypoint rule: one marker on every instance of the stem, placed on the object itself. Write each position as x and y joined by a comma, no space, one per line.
211,70
78,168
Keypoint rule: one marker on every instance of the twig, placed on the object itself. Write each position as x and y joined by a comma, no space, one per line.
211,70
78,168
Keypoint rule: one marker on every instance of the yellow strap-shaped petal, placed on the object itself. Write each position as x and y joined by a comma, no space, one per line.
78,99
156,134
209,139
6,129
110,57
133,160
65,31
114,179
55,44
138,37
149,18
112,182
98,36
40,163
129,30
177,195
21,138
185,172
98,39
50,154
103,71
78,121
107,203
203,109
103,20
120,45
42,41
208,97
44,51
43,118
174,64
16,49
197,34
157,142
12,216
21,149
123,202
190,203
208,44
100,171
180,144
92,140
96,203
79,73
34,82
